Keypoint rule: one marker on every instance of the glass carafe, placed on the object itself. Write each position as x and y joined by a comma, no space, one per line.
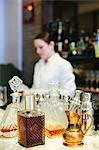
8,125
54,109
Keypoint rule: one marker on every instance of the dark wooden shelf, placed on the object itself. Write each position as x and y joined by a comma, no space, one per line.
93,91
82,58
89,63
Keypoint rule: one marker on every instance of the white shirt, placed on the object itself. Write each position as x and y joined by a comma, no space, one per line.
56,69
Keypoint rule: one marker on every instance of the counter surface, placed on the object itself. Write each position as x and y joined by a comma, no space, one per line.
90,143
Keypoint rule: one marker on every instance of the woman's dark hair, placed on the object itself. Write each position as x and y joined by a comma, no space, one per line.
45,36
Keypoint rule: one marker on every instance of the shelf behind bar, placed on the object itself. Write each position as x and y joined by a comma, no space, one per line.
93,91
83,58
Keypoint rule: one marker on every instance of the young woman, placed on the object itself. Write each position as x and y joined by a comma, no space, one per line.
52,68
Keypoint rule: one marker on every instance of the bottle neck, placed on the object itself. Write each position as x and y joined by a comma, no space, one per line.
29,102
16,97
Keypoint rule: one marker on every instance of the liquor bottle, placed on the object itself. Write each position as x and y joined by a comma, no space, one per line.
65,52
66,41
89,46
81,47
73,49
52,29
96,44
31,124
59,41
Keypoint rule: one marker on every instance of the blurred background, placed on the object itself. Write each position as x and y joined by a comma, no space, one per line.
22,20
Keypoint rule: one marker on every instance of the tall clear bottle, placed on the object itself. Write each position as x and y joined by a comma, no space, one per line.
87,109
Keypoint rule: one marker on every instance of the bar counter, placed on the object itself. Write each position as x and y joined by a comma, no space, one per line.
90,143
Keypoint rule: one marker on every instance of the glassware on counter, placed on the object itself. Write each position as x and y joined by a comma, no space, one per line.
8,125
87,108
80,119
74,134
54,109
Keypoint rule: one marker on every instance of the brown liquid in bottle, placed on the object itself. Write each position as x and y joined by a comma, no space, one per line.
31,128
54,130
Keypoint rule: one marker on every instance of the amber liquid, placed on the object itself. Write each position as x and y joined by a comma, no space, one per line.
54,131
73,117
31,129
8,130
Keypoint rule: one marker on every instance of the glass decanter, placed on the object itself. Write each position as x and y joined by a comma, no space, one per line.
54,109
31,123
8,124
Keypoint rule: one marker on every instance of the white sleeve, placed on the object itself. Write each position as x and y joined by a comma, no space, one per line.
67,83
35,76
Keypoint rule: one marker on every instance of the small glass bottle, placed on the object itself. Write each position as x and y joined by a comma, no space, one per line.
31,124
87,110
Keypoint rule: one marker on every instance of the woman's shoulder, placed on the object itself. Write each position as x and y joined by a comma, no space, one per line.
64,61
40,61
64,64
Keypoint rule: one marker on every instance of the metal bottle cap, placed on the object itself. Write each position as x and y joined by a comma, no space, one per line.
29,102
